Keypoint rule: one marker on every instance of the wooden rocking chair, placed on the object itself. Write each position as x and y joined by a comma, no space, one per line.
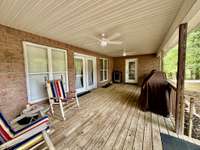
26,138
57,96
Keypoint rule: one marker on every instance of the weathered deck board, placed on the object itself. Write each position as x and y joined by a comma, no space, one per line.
147,144
157,144
98,136
110,118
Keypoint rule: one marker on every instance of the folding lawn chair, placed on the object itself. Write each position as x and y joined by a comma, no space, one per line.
28,137
57,95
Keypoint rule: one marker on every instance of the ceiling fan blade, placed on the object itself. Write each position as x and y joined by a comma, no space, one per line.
115,42
114,36
95,38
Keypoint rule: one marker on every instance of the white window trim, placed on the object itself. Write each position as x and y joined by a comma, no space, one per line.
25,43
104,80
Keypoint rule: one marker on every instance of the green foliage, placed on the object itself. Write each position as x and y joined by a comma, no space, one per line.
170,63
192,58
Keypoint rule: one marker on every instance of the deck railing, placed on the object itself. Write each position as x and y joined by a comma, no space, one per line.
191,99
173,105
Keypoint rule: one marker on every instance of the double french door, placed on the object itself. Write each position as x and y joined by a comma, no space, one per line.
85,72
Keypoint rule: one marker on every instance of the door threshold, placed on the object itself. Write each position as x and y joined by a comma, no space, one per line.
83,93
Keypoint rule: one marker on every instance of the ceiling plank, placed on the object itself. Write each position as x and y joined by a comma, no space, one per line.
172,33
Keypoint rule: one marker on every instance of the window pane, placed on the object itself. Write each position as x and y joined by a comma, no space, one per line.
105,75
37,86
105,64
78,66
37,59
132,70
132,76
58,61
79,73
101,75
101,63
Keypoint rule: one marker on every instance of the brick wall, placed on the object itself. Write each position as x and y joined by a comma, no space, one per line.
146,63
13,96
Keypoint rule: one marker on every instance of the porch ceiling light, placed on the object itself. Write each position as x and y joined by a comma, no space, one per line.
124,53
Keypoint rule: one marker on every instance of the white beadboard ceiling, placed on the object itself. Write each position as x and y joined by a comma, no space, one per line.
142,24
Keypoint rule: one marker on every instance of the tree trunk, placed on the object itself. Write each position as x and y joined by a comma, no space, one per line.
197,74
191,74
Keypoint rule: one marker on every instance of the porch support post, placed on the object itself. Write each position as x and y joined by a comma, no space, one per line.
161,61
180,78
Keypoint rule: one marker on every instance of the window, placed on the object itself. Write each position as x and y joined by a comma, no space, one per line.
103,69
43,63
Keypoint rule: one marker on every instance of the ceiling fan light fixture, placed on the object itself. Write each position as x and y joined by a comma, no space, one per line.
104,43
124,53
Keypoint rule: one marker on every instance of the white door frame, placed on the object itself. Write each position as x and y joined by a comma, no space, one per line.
127,80
85,58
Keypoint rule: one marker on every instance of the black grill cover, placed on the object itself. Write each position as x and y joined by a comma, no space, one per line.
155,93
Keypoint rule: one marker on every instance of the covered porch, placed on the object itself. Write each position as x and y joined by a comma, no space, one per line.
82,44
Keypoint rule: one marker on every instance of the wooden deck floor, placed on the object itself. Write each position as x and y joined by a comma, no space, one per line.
109,118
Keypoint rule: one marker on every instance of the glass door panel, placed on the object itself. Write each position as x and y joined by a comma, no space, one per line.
106,69
131,71
79,74
90,72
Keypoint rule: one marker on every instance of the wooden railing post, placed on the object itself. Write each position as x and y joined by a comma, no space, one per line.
161,61
180,78
191,116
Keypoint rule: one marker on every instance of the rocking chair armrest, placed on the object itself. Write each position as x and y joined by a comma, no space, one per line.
17,119
24,136
34,124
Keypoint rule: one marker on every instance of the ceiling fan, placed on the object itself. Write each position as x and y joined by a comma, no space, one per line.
126,53
104,40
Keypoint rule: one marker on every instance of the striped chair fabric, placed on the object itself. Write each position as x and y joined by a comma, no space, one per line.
55,89
7,133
